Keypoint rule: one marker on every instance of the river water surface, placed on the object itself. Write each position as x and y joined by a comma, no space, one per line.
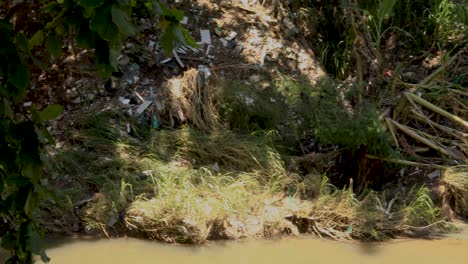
449,250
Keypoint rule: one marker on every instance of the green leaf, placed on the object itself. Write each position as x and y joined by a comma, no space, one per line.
51,112
103,25
123,2
18,75
8,241
168,38
5,109
54,45
113,56
121,19
37,245
22,42
188,39
30,203
86,38
91,3
37,39
60,30
32,171
46,134
52,8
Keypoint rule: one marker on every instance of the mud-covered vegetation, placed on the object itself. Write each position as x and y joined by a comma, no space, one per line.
342,119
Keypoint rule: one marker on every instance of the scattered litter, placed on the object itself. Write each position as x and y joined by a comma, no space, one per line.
27,104
151,45
184,20
165,60
248,100
129,129
208,50
231,36
129,72
139,97
136,78
273,100
433,175
77,100
205,36
238,48
182,50
179,61
192,48
114,82
204,73
402,172
224,42
159,105
123,60
155,122
215,167
124,100
143,107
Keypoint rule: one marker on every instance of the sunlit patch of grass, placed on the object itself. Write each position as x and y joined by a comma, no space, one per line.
187,205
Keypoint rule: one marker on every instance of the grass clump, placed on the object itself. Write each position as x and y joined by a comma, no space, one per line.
189,205
455,180
341,214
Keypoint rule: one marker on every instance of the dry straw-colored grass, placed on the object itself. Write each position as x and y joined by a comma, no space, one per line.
192,99
455,180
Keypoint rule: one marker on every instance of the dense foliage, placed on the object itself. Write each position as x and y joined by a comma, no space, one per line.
100,25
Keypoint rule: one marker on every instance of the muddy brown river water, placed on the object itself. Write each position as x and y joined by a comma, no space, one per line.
449,250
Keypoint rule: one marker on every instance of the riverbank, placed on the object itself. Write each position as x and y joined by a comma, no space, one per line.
255,135
190,186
